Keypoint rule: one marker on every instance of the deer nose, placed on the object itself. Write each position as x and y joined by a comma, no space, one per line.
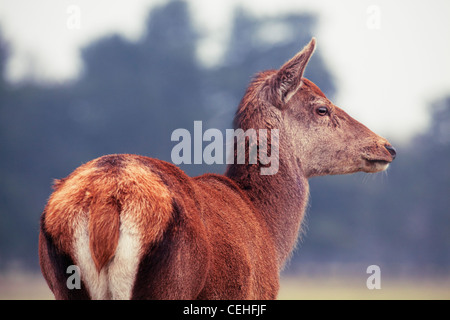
391,150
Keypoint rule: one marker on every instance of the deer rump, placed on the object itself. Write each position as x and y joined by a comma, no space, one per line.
139,228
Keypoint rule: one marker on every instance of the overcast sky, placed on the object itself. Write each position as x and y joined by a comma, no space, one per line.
390,59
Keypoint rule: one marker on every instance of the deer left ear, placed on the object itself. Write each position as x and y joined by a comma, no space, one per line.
289,77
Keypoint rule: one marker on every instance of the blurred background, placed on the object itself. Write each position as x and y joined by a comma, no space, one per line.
80,79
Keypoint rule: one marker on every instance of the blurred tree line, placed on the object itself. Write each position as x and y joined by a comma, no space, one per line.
132,95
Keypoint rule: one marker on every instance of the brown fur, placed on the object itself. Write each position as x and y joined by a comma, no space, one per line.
105,188
104,226
212,236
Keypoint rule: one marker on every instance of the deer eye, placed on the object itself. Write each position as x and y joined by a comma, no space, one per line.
322,111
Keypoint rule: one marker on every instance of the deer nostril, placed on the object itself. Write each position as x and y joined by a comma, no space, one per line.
391,150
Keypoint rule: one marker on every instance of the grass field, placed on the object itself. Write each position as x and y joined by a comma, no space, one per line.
348,288
23,286
32,286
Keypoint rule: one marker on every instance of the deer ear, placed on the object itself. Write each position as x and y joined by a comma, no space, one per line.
289,77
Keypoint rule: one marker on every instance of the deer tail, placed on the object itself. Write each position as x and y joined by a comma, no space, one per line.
104,226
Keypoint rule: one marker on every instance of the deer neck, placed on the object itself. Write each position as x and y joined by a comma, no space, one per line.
280,199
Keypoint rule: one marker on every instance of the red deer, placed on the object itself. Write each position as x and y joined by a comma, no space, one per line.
140,228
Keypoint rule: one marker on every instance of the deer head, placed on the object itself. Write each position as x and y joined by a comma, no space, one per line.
321,136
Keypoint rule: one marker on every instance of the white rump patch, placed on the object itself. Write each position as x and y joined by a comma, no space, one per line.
116,279
124,266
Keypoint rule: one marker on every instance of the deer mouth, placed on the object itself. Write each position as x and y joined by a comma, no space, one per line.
376,161
375,165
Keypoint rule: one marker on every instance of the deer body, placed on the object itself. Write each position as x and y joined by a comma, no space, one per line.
139,228
196,237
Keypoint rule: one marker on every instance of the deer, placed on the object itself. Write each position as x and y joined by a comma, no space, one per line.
140,228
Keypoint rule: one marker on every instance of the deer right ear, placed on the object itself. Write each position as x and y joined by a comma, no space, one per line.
288,79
